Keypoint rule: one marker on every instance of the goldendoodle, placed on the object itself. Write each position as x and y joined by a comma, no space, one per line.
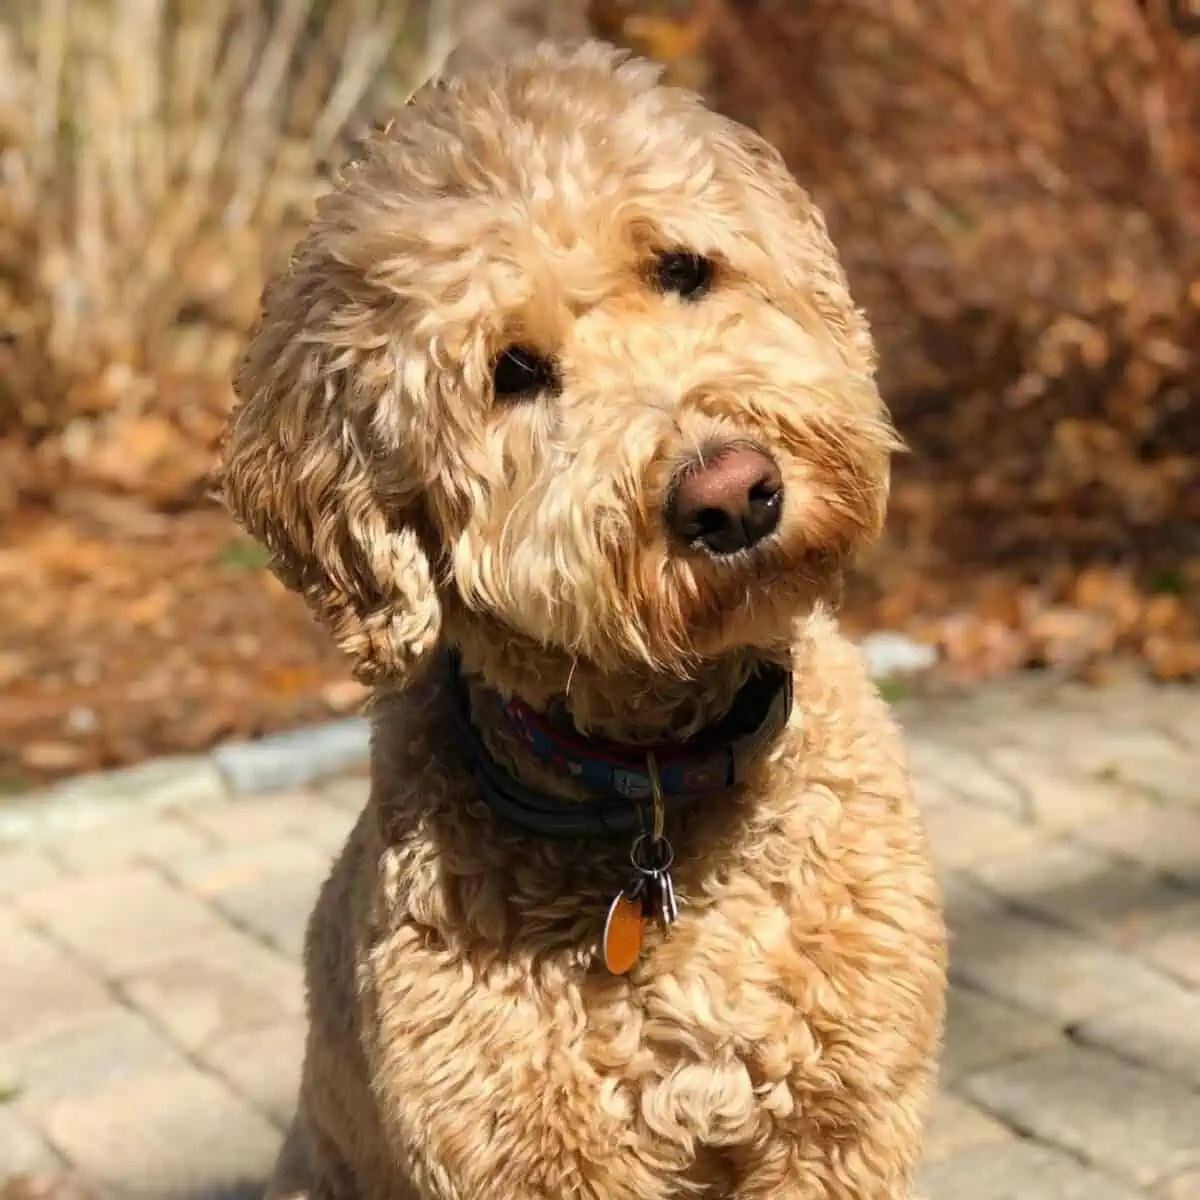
563,422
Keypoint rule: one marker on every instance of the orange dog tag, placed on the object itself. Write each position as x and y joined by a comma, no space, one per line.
623,932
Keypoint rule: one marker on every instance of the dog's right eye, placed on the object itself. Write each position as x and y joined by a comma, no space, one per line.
687,275
520,372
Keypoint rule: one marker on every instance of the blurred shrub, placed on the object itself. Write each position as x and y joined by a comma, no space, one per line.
155,156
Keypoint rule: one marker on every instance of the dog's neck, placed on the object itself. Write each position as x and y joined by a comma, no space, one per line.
635,707
626,709
556,751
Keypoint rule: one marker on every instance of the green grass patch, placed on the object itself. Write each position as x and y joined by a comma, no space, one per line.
239,555
895,688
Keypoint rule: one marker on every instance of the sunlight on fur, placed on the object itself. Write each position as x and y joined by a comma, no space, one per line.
566,376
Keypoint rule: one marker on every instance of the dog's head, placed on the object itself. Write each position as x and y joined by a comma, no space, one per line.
569,356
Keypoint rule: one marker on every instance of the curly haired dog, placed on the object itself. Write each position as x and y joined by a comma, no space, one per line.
563,422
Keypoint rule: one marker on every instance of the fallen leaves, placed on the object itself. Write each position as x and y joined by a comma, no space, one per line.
674,32
114,649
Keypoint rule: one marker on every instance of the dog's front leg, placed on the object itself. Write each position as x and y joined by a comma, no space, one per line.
813,1189
304,1169
884,1170
292,1178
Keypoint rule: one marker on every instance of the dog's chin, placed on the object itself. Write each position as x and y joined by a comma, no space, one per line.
665,614
703,608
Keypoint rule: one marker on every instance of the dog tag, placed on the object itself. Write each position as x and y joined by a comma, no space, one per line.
624,931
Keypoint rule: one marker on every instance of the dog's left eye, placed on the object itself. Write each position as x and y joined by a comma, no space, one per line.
687,275
520,372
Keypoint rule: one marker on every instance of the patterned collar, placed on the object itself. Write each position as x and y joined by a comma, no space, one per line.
617,775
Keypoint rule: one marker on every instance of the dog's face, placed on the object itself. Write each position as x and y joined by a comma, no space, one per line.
569,355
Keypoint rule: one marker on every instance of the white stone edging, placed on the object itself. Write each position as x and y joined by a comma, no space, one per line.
276,763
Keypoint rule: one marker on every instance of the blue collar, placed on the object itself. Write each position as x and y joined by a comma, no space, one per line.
713,760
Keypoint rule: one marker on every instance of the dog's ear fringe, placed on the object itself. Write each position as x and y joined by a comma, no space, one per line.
295,475
816,260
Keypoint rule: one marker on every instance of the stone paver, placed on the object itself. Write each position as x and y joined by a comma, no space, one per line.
27,868
158,840
968,834
257,819
22,1148
119,921
957,1125
1075,884
268,887
1171,940
287,760
1052,971
106,1044
1057,797
1143,758
349,794
1163,1035
165,1135
1182,1187
963,772
1161,838
227,984
43,986
1018,1171
95,801
151,1004
1133,1123
263,1065
982,1031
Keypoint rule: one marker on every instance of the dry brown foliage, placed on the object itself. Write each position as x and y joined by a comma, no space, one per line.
1015,188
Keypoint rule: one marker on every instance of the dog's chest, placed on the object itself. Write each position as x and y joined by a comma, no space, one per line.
795,999
546,1076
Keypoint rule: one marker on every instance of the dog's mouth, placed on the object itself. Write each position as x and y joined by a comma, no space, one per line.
749,598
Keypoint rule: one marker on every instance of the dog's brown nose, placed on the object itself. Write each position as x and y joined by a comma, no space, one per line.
728,503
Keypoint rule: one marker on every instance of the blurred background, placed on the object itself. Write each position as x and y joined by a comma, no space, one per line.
1014,186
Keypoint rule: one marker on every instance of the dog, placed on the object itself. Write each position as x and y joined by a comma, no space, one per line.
564,423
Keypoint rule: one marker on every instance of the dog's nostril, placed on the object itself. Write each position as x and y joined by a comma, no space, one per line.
709,521
729,504
766,491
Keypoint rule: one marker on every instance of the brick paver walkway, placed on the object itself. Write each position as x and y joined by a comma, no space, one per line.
150,997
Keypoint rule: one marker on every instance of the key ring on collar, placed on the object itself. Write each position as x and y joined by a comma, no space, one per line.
637,853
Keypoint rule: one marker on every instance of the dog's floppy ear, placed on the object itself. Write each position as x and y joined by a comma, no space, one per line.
303,473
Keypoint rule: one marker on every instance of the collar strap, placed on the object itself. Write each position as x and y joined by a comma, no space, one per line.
713,760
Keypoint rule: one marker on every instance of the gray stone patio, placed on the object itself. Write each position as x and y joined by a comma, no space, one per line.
150,1010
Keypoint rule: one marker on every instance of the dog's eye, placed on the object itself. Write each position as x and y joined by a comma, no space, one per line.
687,275
520,372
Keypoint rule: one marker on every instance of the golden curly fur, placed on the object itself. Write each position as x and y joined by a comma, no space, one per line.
465,1040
